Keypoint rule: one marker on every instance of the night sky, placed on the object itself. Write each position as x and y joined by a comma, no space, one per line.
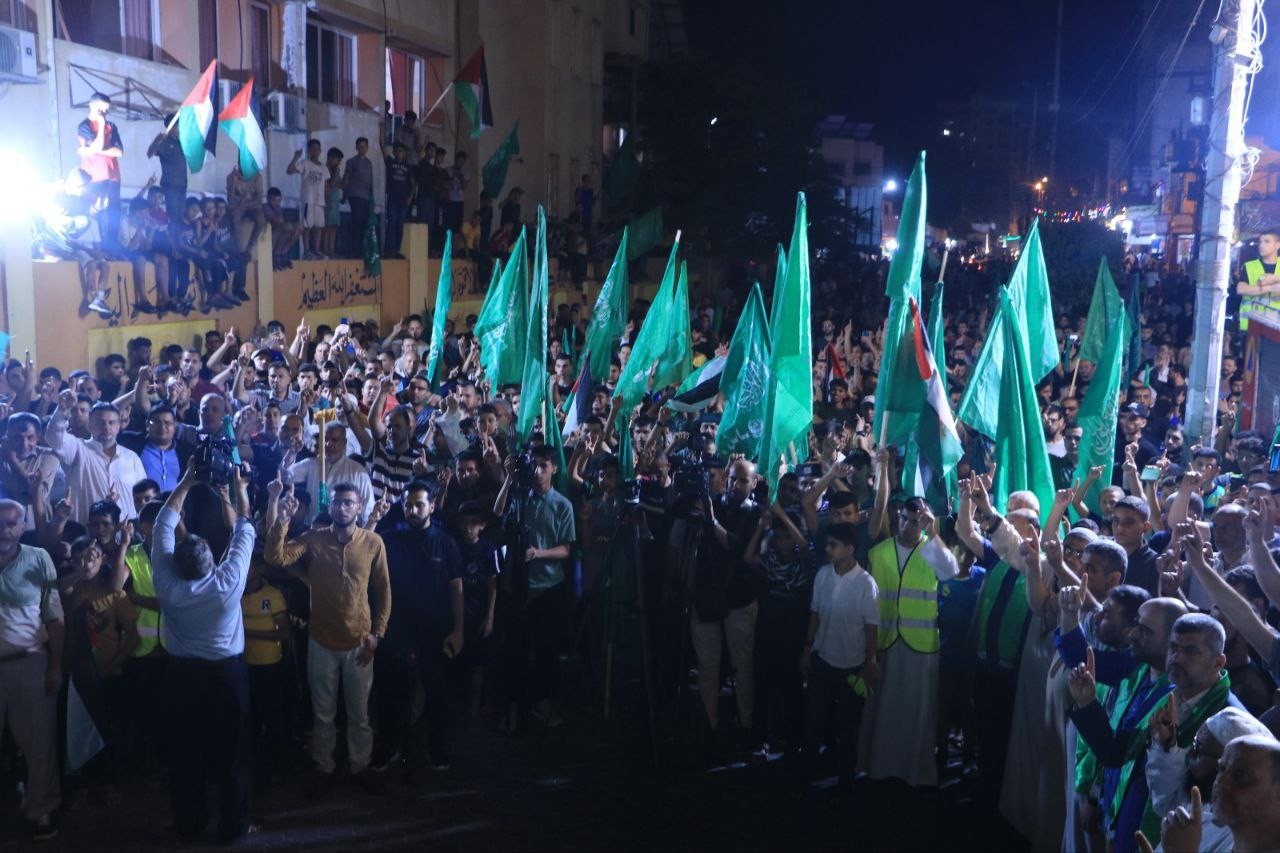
898,64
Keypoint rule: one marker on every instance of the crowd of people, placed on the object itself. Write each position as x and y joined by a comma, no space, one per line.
206,548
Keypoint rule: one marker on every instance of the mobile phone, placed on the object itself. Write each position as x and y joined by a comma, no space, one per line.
1150,474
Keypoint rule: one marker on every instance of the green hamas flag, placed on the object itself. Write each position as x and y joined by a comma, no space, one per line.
626,458
789,403
899,393
609,317
1133,310
1022,460
444,299
1105,308
677,356
1029,293
534,383
504,320
936,326
745,381
620,179
650,345
494,173
372,253
646,232
1100,411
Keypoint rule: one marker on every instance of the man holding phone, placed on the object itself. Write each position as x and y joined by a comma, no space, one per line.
423,634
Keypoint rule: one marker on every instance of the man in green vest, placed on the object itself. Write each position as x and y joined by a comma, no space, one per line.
1260,291
1002,618
898,730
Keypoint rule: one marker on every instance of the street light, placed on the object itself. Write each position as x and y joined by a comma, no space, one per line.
891,186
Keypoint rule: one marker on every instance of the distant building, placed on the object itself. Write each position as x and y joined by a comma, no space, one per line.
856,162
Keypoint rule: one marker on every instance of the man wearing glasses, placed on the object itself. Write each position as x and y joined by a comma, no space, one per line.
345,567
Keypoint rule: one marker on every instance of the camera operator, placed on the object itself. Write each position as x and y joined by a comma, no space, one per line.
724,590
538,627
208,682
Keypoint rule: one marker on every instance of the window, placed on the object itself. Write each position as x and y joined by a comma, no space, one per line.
260,46
208,14
861,169
16,13
406,75
330,65
120,26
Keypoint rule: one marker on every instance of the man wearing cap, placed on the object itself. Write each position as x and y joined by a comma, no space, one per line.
279,390
1133,422
899,730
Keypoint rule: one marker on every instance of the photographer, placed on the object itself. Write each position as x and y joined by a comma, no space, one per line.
546,517
724,590
207,693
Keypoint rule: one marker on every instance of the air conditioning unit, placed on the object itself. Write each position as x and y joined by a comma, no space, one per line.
287,112
18,56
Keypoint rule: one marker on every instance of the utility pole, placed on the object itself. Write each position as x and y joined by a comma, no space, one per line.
1232,36
1055,107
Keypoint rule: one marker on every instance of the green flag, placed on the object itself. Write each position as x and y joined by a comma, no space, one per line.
650,344
609,317
1105,309
534,384
899,392
646,232
1133,310
444,299
1022,460
745,381
552,438
789,403
504,319
1029,292
621,176
494,173
677,356
626,459
1100,411
937,327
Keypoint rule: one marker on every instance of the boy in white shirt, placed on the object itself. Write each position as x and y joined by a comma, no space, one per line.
314,175
839,659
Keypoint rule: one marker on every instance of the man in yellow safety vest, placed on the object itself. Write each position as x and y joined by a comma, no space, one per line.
1260,292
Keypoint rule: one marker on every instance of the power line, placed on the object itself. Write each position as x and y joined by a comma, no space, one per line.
1119,68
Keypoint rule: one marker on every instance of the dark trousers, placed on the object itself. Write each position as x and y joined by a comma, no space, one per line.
108,195
780,629
207,704
453,216
993,697
145,682
267,684
359,222
395,676
830,694
534,646
395,227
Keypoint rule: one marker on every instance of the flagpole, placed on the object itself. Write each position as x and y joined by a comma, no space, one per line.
438,101
942,270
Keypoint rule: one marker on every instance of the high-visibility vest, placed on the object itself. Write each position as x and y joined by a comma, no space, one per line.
908,598
143,584
1267,303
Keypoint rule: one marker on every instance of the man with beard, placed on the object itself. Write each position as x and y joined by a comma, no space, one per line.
21,460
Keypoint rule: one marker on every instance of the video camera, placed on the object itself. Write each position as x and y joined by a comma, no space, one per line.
214,460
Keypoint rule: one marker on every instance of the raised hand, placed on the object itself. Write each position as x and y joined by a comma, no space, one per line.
1164,723
1084,688
275,488
1183,827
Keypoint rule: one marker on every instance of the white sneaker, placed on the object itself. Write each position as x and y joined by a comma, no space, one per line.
100,305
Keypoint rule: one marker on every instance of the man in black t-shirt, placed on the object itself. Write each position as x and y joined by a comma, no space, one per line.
400,192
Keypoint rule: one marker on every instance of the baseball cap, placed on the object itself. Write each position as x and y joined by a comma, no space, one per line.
1137,409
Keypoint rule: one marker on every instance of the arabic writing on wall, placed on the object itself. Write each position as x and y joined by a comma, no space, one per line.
337,285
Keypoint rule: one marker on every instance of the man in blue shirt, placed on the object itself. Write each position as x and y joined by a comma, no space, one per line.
207,694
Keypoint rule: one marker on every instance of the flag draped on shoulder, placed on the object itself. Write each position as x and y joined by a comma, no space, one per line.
899,393
1028,291
444,300
197,132
650,344
934,447
504,319
609,316
238,122
534,383
1021,457
748,367
472,84
789,403
494,173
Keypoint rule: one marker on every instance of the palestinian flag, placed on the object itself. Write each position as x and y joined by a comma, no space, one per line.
700,388
835,370
472,83
239,122
934,447
196,130
578,407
